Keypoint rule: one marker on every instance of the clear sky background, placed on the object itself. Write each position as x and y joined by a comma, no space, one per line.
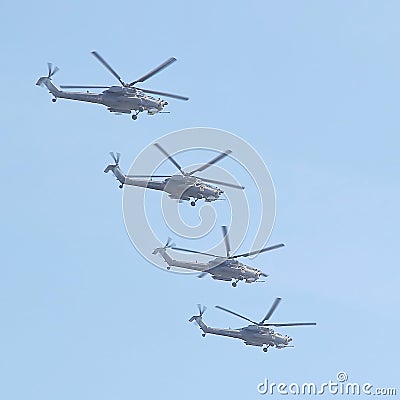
313,85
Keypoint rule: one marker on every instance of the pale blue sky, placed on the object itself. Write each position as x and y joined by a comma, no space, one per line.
313,85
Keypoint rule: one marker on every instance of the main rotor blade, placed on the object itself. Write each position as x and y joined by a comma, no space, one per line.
271,310
169,158
276,246
213,161
174,96
165,64
226,239
222,183
238,315
291,324
193,251
83,87
108,66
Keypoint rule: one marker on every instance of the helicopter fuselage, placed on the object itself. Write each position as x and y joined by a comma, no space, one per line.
228,269
255,335
117,99
118,102
219,268
187,187
129,99
252,335
179,187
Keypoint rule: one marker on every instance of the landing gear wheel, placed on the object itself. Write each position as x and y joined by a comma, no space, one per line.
192,203
203,334
121,186
234,284
134,117
265,349
141,109
168,268
53,100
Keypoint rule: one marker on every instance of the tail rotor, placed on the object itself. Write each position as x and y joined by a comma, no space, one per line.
115,168
51,70
45,80
202,309
115,157
169,244
162,250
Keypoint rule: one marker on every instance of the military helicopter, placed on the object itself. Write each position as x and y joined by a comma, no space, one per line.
118,99
257,334
221,268
182,187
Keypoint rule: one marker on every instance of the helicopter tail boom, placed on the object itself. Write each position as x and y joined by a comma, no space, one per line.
199,319
163,253
234,333
115,169
46,81
200,323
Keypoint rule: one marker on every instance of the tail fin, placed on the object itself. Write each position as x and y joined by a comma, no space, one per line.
163,253
109,168
115,168
199,319
46,81
200,323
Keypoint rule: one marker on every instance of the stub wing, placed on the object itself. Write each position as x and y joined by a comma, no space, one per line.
221,278
119,110
253,344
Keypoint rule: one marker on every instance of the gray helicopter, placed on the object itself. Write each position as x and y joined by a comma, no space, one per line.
258,334
118,99
182,187
221,268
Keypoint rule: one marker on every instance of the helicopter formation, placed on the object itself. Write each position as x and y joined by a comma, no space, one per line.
127,98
